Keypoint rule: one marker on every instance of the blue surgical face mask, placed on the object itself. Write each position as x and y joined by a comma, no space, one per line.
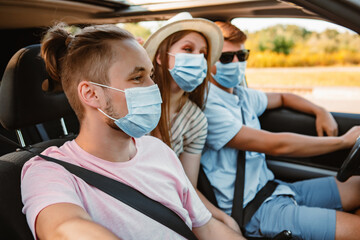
231,74
144,110
189,70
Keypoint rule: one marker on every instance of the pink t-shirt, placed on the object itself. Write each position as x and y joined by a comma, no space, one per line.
155,171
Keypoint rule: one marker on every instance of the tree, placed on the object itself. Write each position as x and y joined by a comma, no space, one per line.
282,45
137,30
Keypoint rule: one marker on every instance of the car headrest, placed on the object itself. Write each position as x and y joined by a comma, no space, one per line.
23,102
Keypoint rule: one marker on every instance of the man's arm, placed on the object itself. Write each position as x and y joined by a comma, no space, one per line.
191,165
69,221
215,229
290,144
324,120
218,214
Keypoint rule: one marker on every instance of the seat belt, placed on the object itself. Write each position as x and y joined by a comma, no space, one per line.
123,193
43,134
238,200
204,186
242,216
259,198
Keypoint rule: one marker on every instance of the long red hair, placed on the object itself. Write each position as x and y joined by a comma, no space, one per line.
162,78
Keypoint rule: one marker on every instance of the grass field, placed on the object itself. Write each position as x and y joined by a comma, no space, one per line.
304,77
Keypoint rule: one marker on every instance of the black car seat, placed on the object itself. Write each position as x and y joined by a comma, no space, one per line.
9,134
35,115
30,101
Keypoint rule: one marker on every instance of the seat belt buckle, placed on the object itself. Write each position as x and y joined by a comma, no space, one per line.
284,235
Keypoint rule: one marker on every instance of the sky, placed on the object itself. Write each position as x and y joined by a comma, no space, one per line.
255,24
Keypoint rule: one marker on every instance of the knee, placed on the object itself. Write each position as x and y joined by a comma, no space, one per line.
350,193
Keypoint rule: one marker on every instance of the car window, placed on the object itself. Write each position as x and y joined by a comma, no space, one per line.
315,59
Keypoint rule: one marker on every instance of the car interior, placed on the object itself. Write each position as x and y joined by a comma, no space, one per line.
36,115
38,109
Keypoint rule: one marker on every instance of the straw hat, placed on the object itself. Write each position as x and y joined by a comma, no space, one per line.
184,21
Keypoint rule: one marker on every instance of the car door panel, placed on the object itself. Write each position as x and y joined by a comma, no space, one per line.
285,120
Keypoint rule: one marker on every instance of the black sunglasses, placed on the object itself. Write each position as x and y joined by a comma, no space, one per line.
228,57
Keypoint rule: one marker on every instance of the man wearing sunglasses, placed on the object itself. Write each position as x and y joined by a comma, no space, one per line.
232,112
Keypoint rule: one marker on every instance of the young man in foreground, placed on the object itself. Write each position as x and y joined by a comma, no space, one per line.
106,76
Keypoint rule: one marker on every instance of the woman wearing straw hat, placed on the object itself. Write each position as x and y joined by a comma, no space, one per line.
182,51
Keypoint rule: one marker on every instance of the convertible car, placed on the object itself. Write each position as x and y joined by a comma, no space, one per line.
35,114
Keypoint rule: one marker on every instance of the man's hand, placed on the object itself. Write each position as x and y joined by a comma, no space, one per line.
214,230
350,136
216,212
230,222
325,122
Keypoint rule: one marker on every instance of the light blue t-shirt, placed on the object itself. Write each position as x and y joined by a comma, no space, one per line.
223,111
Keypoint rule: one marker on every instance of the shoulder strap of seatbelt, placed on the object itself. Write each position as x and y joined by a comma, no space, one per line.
238,200
237,207
124,193
242,216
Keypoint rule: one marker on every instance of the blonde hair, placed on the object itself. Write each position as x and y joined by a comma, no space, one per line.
88,55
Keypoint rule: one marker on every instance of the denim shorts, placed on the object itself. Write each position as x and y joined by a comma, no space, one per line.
310,214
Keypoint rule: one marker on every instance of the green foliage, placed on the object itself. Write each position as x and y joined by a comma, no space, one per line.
282,45
137,30
72,29
291,46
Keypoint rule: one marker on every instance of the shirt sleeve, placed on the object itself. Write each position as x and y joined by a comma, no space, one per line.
257,100
40,189
222,125
198,213
195,137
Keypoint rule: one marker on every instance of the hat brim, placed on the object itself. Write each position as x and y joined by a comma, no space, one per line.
209,29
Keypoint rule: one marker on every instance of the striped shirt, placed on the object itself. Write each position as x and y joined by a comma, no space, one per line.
189,129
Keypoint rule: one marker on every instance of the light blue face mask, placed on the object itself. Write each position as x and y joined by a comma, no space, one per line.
189,70
231,74
144,110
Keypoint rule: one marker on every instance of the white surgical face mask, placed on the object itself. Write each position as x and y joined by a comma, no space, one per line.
144,110
189,70
231,74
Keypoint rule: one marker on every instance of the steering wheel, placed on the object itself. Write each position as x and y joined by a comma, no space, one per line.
351,163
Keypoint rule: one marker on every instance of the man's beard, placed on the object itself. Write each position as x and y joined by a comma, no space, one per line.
109,110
